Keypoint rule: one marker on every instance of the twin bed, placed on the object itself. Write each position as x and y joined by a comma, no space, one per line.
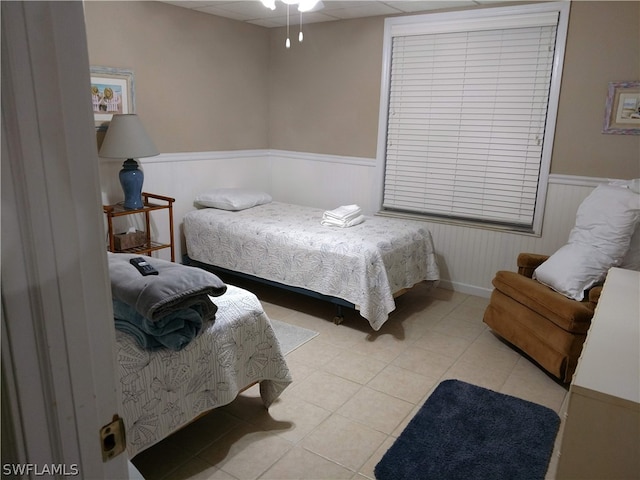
364,266
164,389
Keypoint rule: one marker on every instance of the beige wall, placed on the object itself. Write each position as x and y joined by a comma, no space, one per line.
325,92
603,45
206,83
331,87
200,80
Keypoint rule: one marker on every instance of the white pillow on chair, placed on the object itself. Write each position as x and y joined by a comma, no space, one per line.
600,239
606,219
631,260
573,269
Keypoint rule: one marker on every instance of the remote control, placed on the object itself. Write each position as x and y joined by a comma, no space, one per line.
144,267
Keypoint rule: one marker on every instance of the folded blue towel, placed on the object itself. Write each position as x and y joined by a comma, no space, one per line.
174,331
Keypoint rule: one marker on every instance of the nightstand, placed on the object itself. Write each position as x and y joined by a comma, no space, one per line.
117,210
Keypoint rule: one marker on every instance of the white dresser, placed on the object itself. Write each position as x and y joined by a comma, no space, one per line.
602,432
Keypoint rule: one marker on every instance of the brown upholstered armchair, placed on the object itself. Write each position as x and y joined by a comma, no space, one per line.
549,327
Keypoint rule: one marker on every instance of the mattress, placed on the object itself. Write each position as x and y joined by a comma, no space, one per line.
364,264
164,390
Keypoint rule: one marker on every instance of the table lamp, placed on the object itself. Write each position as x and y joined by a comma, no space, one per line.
126,138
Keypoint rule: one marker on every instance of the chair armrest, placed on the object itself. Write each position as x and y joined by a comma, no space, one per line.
528,262
594,294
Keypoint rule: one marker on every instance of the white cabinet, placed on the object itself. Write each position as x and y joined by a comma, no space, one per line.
602,432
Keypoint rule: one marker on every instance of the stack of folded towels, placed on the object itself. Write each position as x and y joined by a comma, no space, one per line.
344,216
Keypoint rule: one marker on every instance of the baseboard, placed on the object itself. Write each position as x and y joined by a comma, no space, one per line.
465,288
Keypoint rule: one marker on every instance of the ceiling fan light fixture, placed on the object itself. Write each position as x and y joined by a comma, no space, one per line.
303,6
270,4
307,5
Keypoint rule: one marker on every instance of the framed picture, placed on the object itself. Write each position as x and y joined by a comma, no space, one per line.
622,113
111,92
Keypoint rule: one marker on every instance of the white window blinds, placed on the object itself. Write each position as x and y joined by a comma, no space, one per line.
466,119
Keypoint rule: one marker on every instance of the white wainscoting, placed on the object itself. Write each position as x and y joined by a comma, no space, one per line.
468,256
323,181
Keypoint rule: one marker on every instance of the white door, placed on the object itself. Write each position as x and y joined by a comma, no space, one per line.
58,367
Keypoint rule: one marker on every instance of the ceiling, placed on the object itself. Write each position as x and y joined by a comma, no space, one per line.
253,11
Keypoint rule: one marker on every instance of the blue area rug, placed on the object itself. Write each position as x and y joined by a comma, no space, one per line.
468,432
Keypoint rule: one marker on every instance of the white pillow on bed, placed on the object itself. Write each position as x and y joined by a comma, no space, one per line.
232,198
600,239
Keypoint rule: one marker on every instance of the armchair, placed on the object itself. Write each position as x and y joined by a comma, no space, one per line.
546,325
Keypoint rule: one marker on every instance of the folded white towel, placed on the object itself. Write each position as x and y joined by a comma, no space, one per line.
332,222
345,212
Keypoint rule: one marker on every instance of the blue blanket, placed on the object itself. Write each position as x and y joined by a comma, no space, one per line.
176,287
174,331
167,310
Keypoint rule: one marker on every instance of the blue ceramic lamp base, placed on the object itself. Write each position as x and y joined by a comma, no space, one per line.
131,180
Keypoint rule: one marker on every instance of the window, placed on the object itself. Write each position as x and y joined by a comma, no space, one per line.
468,109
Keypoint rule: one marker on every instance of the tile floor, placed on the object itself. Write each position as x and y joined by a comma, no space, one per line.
353,393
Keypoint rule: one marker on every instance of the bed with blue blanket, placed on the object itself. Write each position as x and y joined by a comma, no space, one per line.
186,343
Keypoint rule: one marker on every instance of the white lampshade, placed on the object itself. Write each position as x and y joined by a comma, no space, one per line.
127,138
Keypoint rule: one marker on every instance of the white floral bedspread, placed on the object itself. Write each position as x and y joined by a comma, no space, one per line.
164,390
364,264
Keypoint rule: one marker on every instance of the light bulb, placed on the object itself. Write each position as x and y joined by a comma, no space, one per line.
300,36
270,4
287,43
307,5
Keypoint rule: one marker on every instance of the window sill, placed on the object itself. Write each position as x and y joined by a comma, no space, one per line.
458,222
